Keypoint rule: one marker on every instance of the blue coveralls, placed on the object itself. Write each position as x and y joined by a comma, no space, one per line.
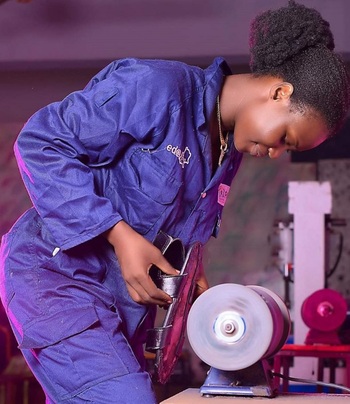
134,145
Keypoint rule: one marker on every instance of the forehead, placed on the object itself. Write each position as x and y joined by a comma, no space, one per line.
307,129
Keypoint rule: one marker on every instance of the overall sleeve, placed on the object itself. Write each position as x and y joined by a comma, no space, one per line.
61,144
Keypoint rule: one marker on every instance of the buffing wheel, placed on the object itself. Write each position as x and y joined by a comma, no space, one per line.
230,327
280,316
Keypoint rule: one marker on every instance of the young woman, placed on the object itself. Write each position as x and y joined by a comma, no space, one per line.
147,146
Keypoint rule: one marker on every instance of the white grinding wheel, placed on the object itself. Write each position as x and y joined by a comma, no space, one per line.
230,327
280,317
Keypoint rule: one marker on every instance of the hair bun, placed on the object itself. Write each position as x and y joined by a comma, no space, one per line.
278,35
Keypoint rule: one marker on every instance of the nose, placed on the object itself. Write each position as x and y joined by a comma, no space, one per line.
275,152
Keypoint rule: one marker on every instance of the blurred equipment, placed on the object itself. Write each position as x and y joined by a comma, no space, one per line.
281,241
331,356
282,249
324,312
236,330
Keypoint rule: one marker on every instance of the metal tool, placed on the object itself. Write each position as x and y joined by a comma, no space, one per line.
167,340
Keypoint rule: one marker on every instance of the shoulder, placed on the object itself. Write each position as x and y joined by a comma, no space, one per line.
152,72
139,68
158,72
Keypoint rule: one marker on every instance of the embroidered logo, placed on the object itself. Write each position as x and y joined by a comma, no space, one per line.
183,156
223,194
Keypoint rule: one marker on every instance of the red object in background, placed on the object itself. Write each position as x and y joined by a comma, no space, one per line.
324,312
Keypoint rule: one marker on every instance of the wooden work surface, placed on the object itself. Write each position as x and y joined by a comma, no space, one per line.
192,396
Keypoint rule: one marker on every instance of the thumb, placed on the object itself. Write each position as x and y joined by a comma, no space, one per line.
166,268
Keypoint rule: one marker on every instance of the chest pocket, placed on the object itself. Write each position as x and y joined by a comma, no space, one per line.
143,189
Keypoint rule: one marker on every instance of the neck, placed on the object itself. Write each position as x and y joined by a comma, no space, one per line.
234,95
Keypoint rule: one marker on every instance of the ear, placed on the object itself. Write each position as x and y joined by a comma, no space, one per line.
281,91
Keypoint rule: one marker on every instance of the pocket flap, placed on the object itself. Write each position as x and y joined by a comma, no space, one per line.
51,328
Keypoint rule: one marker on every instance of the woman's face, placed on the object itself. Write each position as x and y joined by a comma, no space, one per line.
270,127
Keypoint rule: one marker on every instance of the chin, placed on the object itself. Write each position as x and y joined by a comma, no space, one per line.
239,148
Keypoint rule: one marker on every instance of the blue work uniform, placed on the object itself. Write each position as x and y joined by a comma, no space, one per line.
133,145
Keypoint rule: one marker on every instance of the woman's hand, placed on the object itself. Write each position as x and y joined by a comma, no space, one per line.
201,282
136,255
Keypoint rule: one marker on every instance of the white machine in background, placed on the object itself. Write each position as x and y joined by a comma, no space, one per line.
309,203
304,261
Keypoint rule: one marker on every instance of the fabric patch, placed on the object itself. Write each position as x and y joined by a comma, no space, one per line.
223,194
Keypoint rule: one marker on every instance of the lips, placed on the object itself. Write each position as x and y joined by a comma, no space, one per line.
256,151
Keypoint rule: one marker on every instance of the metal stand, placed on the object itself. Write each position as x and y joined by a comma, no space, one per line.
256,380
